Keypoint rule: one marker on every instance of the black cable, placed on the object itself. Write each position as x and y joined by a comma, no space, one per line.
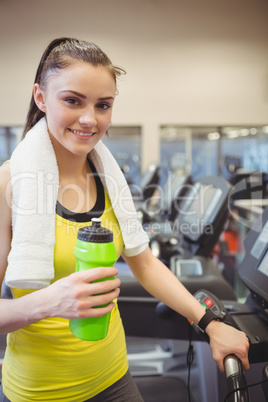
190,358
242,388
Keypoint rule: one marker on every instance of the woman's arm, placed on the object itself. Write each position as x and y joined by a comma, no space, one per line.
160,282
70,297
5,219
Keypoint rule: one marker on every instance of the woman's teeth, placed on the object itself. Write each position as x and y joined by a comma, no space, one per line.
82,133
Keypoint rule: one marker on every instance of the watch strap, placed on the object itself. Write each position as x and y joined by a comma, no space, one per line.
206,319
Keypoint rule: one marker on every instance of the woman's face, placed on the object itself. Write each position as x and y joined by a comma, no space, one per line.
78,104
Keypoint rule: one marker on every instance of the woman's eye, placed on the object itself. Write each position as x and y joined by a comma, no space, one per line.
72,101
104,106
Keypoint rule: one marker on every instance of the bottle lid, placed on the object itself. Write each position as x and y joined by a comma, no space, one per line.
95,233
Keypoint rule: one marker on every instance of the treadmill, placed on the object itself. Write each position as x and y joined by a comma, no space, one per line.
252,316
164,202
145,317
152,329
201,213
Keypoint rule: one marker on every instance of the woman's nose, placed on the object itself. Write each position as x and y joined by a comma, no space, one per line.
88,117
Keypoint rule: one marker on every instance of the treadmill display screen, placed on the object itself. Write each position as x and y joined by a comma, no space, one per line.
253,269
263,267
260,243
203,204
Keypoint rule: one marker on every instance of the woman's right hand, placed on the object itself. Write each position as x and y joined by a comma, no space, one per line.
75,296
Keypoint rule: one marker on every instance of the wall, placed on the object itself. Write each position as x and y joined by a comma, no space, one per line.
187,62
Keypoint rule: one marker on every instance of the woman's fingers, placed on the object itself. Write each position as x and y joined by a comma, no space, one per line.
96,305
80,296
99,287
94,274
225,340
86,285
243,355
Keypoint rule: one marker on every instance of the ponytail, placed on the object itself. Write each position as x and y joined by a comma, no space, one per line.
34,113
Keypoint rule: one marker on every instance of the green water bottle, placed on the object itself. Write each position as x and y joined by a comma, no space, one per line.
94,248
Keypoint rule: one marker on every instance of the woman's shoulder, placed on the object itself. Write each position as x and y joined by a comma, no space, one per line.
5,188
5,217
5,171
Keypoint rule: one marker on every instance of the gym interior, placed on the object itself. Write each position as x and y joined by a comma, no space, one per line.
190,133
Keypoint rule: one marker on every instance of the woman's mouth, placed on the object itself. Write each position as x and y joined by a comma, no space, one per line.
82,133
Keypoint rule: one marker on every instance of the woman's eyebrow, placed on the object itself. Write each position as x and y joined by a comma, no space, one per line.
75,93
107,98
84,97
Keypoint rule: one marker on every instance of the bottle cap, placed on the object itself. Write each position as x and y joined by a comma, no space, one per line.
95,233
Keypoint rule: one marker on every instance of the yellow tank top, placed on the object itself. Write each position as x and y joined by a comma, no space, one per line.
45,361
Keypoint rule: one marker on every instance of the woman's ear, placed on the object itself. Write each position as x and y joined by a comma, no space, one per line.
39,98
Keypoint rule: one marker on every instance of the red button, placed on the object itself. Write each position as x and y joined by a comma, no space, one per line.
209,302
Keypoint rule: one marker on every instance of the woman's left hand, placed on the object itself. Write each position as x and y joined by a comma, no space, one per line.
226,340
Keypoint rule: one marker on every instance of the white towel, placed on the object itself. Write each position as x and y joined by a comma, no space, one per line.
35,181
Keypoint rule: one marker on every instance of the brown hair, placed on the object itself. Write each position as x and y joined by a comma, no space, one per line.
59,54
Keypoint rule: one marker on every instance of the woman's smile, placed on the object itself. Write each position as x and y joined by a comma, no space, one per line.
83,134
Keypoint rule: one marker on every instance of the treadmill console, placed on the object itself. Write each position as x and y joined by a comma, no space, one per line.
211,302
253,270
199,209
201,215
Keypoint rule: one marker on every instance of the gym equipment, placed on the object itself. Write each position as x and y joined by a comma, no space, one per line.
248,185
233,368
158,321
149,180
164,204
236,379
200,220
265,384
147,186
231,163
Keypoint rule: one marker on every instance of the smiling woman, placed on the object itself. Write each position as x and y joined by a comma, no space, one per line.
74,91
75,179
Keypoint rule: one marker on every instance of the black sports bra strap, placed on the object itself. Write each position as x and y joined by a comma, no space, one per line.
97,209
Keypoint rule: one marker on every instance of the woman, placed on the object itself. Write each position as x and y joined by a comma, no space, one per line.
71,106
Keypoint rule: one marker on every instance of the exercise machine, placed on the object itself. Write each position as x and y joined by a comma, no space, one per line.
147,185
164,202
144,316
200,219
235,376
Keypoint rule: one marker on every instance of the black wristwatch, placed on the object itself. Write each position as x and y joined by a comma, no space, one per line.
206,319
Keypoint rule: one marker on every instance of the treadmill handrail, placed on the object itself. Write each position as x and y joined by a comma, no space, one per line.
236,380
